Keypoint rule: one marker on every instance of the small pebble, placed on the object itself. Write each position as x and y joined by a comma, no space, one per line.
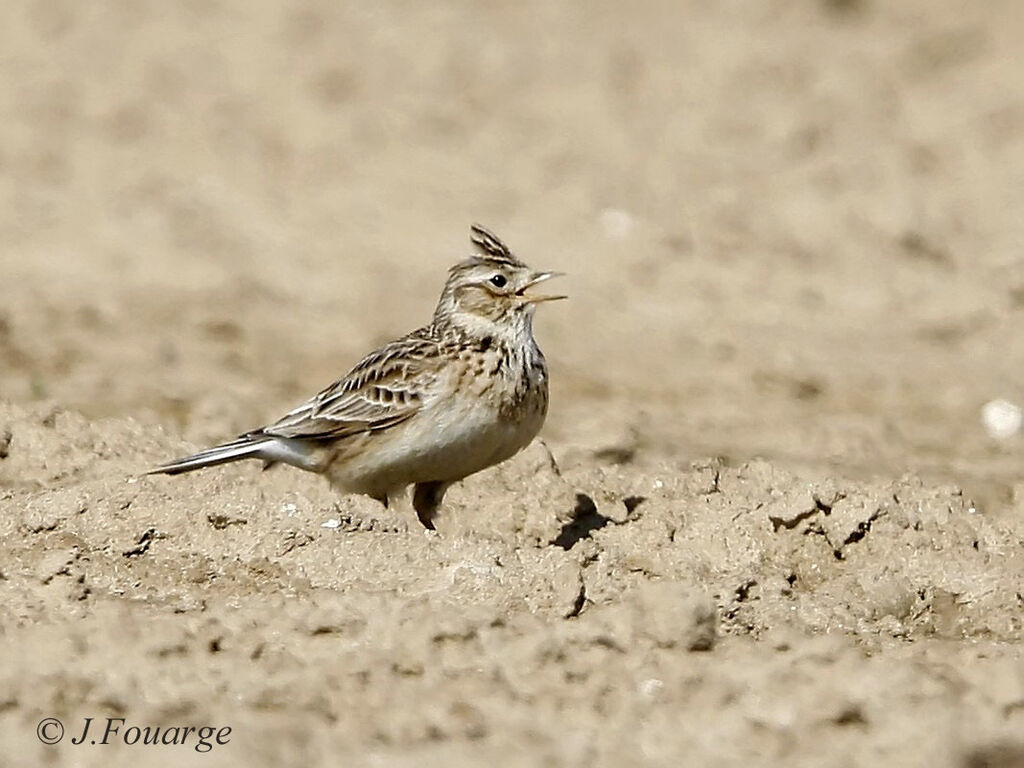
1001,419
616,223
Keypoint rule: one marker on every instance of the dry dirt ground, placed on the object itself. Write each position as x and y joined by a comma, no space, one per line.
767,526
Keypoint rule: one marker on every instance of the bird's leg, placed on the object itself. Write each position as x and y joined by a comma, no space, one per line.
397,501
426,499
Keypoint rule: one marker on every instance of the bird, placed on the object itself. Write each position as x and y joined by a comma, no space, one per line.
456,396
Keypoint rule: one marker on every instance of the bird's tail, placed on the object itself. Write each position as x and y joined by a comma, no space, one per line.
246,447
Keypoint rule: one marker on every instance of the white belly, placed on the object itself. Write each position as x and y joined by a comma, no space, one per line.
444,442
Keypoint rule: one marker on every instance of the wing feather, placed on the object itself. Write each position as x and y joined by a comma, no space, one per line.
384,389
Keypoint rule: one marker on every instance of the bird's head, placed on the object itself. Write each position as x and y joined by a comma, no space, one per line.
492,291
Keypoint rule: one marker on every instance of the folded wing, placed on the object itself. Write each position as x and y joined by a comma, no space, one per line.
385,389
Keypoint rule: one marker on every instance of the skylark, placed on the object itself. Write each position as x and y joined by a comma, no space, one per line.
454,397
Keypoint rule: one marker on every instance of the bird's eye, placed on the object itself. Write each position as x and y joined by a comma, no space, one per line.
498,281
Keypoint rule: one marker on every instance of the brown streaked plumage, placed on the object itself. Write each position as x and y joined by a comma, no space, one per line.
454,397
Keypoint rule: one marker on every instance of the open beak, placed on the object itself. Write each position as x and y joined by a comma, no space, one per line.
536,279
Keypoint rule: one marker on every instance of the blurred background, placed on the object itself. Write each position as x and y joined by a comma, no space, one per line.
792,229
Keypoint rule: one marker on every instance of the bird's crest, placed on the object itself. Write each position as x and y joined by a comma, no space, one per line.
490,246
